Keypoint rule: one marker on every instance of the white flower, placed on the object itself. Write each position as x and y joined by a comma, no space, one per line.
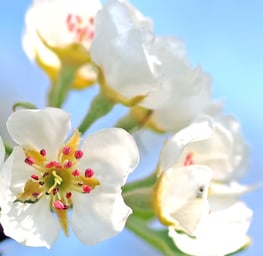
121,49
190,200
180,195
173,152
60,23
225,152
49,175
186,91
223,232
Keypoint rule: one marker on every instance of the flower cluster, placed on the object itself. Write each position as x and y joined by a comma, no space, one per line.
55,178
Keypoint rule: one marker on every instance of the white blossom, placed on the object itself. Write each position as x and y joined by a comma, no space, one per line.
45,176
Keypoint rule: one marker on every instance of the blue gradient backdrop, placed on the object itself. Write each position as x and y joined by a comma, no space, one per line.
225,37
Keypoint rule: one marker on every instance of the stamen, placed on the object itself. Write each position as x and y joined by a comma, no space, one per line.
41,183
34,177
58,205
55,191
91,20
35,194
43,152
76,173
86,189
69,18
89,173
91,34
68,164
78,154
45,174
66,150
68,195
29,161
78,19
58,165
50,164
189,159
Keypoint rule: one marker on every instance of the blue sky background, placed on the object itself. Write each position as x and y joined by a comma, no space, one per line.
225,37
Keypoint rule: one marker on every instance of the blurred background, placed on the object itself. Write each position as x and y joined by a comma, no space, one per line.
225,37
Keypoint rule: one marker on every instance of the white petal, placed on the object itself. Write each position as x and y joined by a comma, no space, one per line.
128,35
184,196
39,129
222,233
112,154
99,215
5,181
223,195
20,172
200,130
224,152
49,18
31,224
2,151
34,47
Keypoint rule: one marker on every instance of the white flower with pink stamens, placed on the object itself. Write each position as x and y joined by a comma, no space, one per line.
180,194
60,23
188,196
47,175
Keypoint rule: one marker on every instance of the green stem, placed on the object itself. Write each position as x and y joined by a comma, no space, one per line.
159,239
127,123
146,182
100,106
59,91
27,105
140,201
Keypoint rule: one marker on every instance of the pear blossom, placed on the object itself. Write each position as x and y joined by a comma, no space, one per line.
47,174
186,91
121,49
214,220
225,152
223,232
180,195
61,24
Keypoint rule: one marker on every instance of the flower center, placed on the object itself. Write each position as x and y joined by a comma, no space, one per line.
82,30
57,179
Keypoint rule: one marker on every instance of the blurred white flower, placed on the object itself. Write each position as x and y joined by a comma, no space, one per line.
45,175
180,195
61,24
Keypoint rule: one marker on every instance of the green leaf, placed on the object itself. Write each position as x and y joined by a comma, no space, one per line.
159,239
